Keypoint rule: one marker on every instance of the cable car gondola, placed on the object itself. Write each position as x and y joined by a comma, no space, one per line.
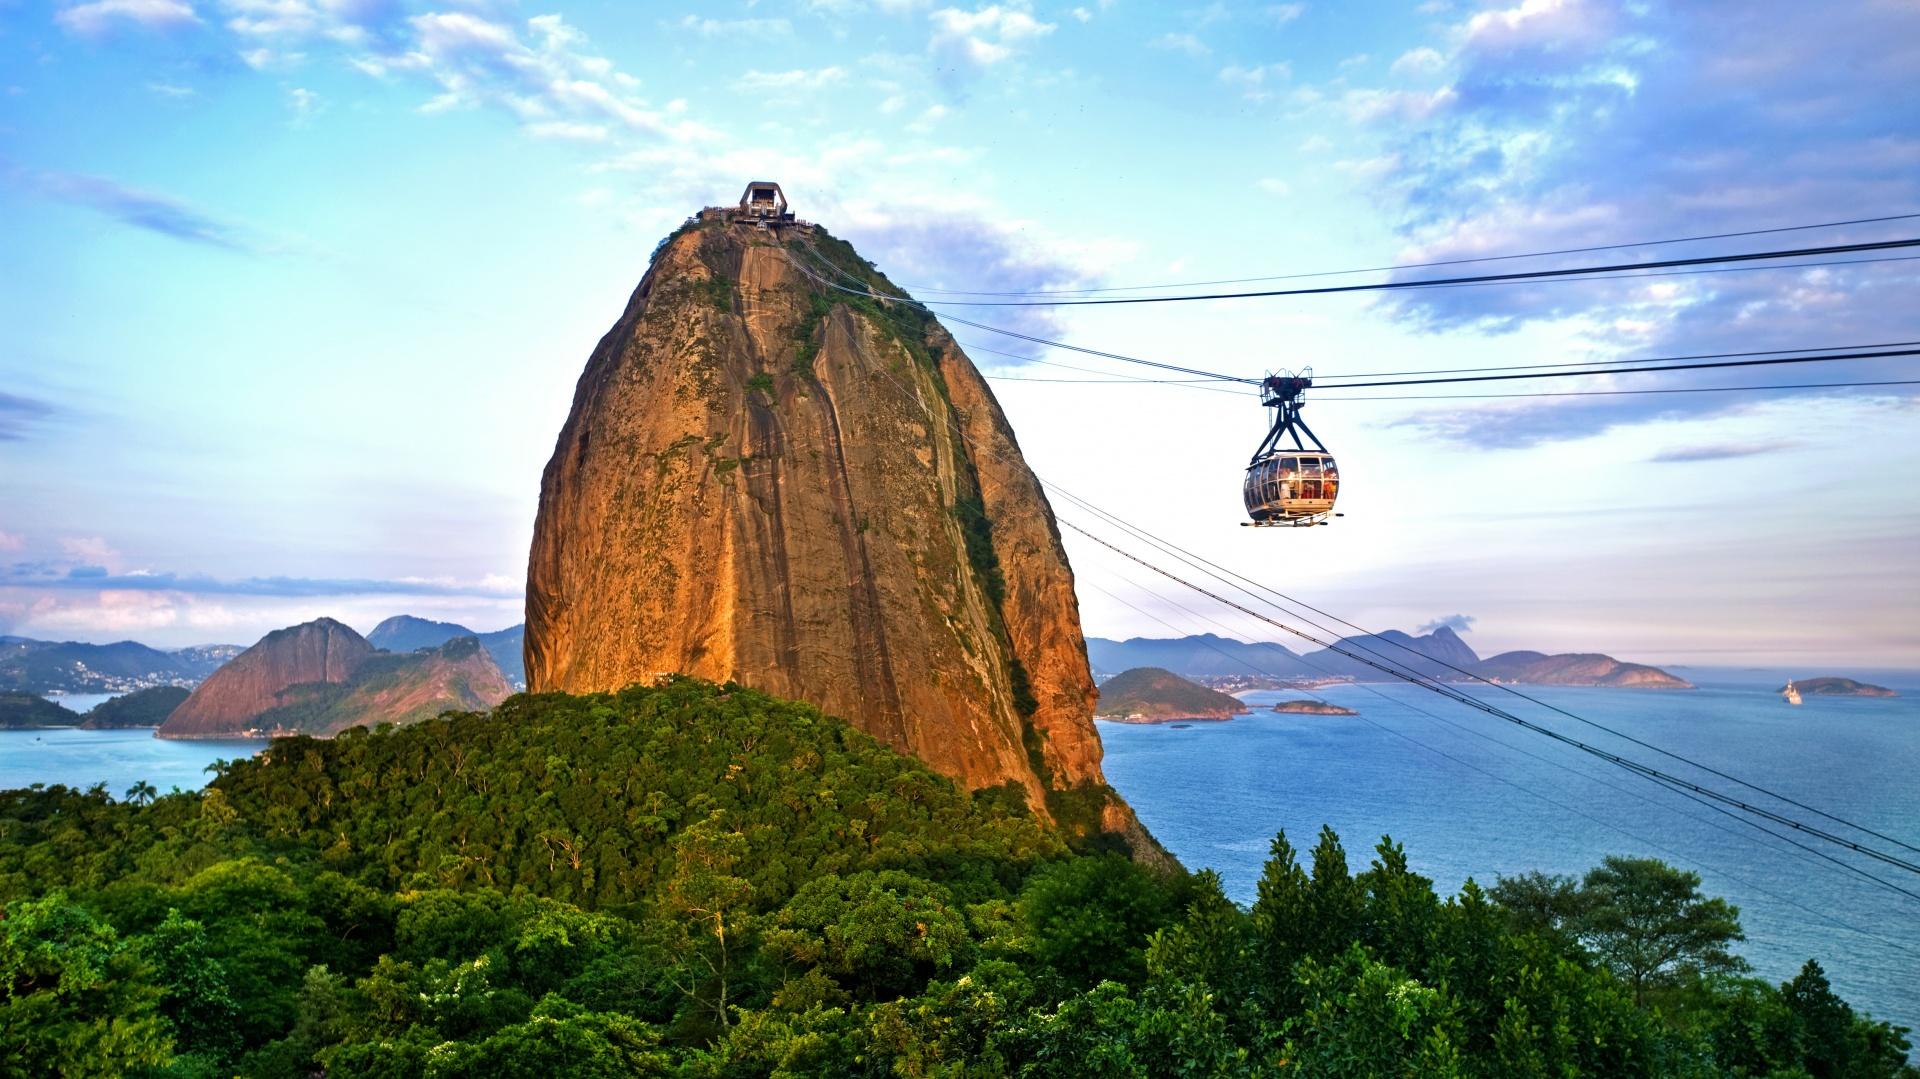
1292,487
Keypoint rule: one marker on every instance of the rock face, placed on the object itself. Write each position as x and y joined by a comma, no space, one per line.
1153,695
812,493
322,650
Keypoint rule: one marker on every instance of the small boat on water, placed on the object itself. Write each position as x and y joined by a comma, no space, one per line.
1791,694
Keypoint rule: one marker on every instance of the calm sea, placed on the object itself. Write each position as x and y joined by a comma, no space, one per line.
1470,795
119,759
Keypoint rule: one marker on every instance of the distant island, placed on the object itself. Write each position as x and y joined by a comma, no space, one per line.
1313,708
1840,687
1224,663
25,711
1156,695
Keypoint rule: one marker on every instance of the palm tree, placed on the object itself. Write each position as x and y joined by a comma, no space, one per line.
141,793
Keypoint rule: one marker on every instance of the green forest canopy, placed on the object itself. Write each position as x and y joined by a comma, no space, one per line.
702,880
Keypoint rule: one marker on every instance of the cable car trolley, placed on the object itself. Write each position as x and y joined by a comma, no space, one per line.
1294,486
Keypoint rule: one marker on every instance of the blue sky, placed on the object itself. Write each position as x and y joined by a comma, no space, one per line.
297,290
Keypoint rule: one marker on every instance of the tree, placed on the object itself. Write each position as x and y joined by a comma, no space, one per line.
1544,903
142,793
1648,921
1090,917
706,911
882,934
72,1002
197,1000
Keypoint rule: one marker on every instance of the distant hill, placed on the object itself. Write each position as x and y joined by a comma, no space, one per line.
1841,687
405,633
1440,655
322,678
1153,695
227,703
458,676
1577,669
201,660
1204,656
141,708
30,666
25,710
1435,655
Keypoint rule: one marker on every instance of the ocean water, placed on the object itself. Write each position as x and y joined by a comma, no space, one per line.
79,703
119,758
1470,795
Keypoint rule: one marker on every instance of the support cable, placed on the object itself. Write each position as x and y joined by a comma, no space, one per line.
1425,265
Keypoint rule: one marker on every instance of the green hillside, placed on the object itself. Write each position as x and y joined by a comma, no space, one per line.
704,881
141,708
32,710
1150,695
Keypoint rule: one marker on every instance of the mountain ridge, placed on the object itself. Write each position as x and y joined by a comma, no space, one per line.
1437,654
408,633
322,677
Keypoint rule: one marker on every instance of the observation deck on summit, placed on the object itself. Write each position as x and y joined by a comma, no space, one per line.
763,204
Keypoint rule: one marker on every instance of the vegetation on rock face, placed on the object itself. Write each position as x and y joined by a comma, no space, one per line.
705,881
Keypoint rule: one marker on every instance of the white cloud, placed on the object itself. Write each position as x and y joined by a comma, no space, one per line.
1254,81
1186,43
1274,186
547,77
1367,106
797,79
261,59
973,40
707,27
12,541
1420,61
1283,13
567,131
1555,23
169,90
302,101
1081,14
926,120
268,18
93,550
100,16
